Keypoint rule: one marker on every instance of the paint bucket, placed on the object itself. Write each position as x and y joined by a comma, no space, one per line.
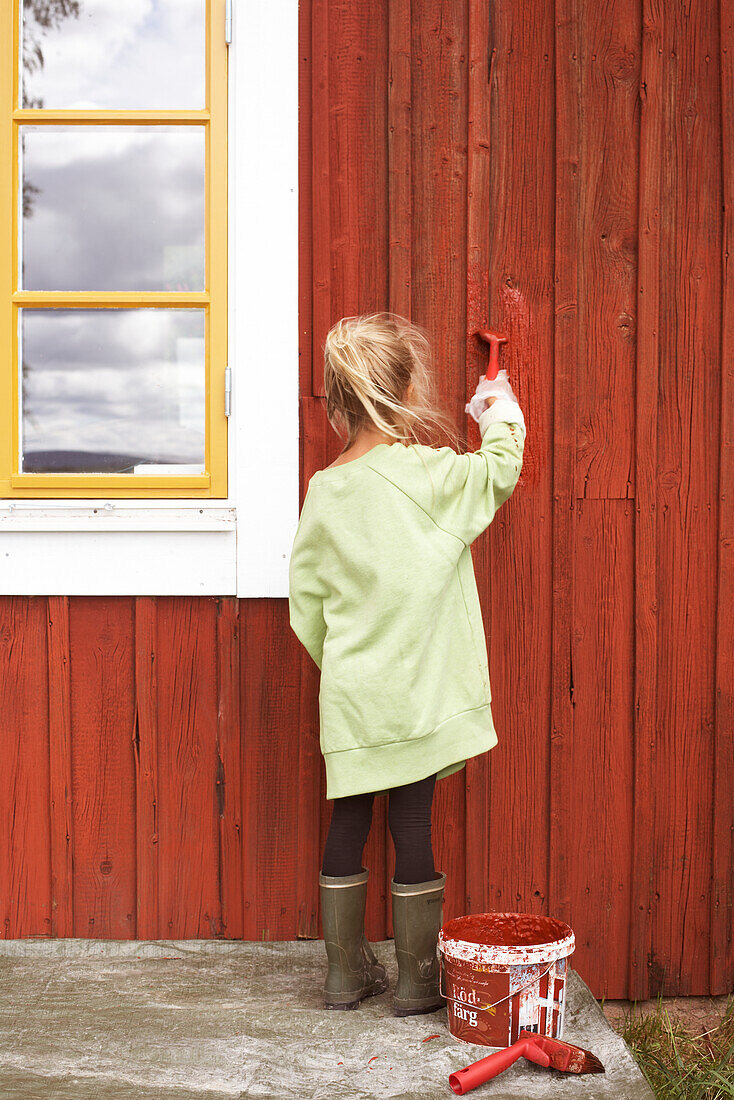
501,972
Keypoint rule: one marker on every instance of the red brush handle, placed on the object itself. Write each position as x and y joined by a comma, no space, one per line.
476,1074
494,342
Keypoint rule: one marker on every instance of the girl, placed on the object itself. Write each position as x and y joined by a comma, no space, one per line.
383,596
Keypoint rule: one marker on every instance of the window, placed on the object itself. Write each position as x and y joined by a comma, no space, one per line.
114,319
149,278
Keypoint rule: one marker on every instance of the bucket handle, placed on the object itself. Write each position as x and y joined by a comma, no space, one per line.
483,1008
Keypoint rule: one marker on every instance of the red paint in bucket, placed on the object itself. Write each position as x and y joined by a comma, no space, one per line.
504,972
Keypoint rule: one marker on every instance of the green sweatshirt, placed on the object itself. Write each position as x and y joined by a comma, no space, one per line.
382,594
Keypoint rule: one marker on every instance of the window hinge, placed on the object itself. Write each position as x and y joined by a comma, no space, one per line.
228,22
227,391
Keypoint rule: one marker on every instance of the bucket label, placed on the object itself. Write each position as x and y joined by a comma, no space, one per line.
489,1006
478,1003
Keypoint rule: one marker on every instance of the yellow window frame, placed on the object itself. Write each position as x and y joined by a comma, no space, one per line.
213,299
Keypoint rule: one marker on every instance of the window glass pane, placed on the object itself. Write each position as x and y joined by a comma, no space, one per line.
112,207
112,391
113,54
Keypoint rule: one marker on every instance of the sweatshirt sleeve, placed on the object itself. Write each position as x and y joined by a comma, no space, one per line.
305,591
467,489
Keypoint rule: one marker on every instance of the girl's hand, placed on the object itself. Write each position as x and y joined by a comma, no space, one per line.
487,392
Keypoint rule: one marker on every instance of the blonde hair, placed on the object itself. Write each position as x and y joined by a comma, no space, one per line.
369,362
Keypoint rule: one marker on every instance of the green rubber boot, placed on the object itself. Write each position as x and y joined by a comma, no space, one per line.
354,971
417,917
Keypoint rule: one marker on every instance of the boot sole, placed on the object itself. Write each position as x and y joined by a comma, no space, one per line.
381,987
397,1011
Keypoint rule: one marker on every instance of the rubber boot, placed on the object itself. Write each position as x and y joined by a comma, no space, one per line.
417,917
354,971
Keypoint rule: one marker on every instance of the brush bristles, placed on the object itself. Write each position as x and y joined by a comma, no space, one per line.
592,1065
566,1057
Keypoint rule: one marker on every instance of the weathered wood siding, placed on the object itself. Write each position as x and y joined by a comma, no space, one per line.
565,173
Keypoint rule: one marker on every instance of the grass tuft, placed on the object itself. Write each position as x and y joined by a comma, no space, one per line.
679,1064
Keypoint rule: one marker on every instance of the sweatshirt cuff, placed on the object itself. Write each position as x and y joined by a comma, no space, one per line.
502,411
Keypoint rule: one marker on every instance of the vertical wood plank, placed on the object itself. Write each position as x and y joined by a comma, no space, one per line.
271,782
229,767
60,778
250,734
609,125
596,829
25,853
147,769
103,767
358,125
646,461
305,199
399,166
189,891
721,978
321,189
566,362
688,457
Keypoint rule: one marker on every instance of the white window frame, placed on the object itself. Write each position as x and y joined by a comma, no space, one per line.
238,546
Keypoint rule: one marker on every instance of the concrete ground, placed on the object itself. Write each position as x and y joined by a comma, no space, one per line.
213,1019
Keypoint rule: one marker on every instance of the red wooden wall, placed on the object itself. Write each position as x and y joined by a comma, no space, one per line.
564,172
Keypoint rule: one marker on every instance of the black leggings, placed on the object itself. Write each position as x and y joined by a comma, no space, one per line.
409,818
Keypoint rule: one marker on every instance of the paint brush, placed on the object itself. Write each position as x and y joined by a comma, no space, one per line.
541,1049
494,342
